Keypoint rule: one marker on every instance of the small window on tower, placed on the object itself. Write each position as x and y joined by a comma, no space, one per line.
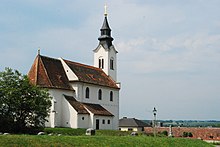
111,64
102,63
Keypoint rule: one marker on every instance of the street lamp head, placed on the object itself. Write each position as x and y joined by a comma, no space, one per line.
154,111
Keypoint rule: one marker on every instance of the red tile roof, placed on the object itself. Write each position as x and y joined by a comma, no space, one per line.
91,74
48,72
96,109
76,105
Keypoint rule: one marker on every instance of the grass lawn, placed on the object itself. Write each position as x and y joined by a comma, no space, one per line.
45,140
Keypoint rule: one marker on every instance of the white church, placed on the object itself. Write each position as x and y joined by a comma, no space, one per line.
83,96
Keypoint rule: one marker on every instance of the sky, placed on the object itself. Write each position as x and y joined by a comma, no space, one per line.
168,50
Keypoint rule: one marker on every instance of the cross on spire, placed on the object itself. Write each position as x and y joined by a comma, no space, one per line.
38,50
105,10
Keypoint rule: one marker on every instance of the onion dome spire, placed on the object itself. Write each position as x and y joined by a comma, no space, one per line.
105,38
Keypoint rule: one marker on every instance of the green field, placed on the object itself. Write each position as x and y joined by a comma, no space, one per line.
45,140
103,138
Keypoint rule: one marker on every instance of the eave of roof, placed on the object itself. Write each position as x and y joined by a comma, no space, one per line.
105,47
97,109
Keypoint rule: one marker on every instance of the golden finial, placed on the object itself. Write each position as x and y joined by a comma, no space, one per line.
105,10
38,50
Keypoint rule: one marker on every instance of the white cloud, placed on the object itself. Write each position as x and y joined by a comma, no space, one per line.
174,54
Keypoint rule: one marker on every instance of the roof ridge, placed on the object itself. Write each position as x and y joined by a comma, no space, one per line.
49,57
85,65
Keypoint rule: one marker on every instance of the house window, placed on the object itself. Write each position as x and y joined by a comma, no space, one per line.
109,121
112,64
87,92
100,94
101,63
111,96
130,129
103,121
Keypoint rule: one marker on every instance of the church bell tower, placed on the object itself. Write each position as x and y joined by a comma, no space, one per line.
105,54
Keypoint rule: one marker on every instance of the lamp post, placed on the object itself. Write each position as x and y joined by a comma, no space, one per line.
154,122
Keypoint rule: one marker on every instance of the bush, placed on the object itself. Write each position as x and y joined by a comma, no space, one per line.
65,131
112,133
190,134
165,133
187,134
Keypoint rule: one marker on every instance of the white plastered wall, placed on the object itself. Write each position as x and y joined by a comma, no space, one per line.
136,129
84,121
111,106
69,115
102,53
56,110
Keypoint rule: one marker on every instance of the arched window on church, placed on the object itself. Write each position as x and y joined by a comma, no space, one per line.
100,94
87,92
111,96
112,64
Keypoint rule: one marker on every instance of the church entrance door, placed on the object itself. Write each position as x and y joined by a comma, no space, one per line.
97,124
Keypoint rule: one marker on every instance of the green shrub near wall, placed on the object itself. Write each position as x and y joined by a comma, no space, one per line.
65,131
187,134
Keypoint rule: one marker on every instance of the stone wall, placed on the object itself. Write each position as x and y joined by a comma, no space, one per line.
201,133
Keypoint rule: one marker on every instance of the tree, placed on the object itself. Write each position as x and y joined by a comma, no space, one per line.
23,106
165,133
